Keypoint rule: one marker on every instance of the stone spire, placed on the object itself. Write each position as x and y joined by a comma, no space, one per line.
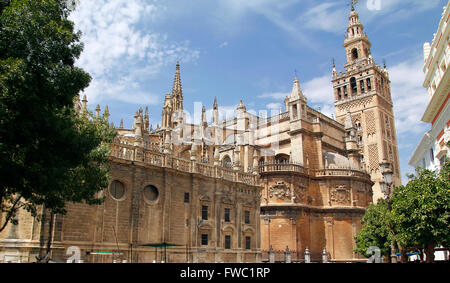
348,121
334,73
241,107
203,115
177,92
297,92
97,111
215,114
85,101
121,123
146,119
106,113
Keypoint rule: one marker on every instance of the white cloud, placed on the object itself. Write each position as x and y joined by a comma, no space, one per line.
116,48
335,22
274,106
223,44
409,97
275,95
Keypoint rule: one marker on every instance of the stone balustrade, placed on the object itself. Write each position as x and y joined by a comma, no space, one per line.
296,168
341,172
147,156
280,167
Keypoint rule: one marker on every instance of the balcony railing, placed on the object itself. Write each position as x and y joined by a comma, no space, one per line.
141,154
282,167
296,168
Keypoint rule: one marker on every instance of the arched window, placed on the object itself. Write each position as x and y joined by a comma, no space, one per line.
358,125
360,140
226,162
355,54
353,86
369,85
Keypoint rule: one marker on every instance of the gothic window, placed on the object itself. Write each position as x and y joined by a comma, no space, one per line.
354,53
431,155
294,111
353,86
226,162
186,197
358,125
362,86
360,140
345,91
339,93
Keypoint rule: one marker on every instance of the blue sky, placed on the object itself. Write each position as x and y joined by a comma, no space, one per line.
249,50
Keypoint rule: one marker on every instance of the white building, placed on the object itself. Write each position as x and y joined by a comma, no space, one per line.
432,150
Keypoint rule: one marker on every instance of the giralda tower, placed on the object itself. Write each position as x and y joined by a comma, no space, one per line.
364,91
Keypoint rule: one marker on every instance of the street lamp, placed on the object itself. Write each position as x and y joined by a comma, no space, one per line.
385,186
387,173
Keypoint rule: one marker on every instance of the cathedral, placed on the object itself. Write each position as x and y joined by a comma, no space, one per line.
236,190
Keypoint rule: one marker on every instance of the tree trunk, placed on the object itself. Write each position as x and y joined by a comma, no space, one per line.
429,252
403,256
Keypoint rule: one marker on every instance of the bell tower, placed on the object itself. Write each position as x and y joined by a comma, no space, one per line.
363,91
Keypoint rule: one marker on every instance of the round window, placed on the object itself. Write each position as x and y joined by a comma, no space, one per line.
117,190
151,193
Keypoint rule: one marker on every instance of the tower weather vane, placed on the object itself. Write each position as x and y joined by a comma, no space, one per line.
353,3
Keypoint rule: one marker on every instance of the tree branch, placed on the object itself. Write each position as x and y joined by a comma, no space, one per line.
11,213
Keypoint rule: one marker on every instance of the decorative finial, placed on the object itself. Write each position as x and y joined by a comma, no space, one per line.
97,111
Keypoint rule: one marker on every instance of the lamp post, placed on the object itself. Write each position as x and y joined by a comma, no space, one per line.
386,189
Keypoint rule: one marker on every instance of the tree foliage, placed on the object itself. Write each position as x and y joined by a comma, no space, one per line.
374,232
421,211
49,154
418,220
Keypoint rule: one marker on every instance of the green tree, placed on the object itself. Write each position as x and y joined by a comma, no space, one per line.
421,211
49,154
375,230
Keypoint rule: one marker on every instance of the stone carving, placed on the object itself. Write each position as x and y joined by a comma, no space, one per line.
280,190
340,195
300,194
